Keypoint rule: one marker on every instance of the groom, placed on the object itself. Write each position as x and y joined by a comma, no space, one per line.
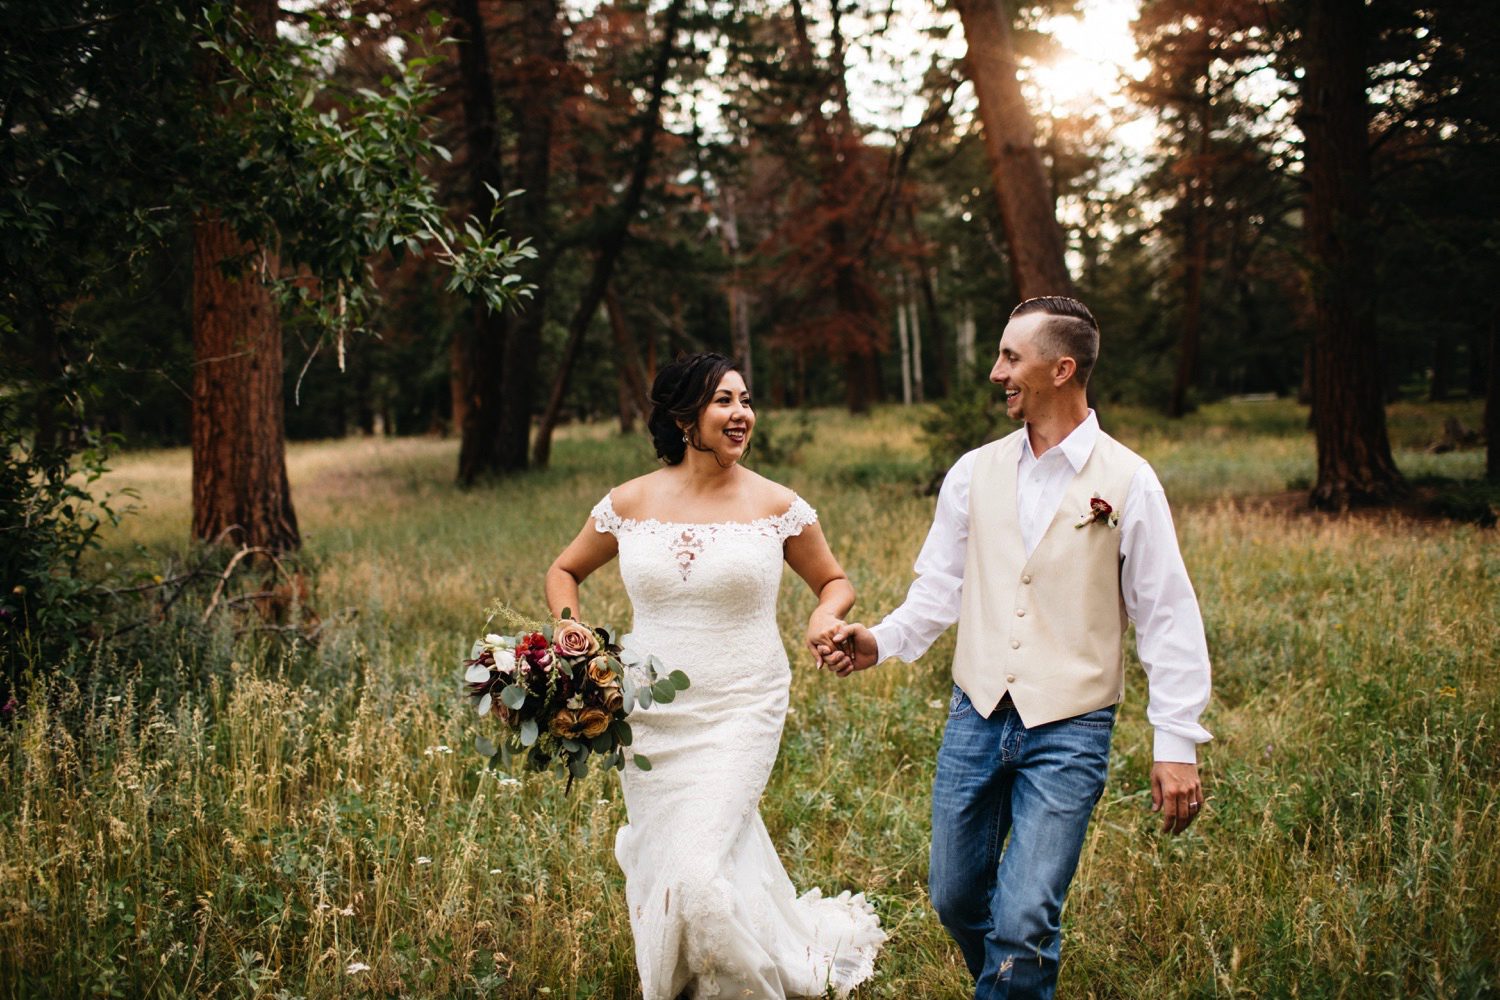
1042,545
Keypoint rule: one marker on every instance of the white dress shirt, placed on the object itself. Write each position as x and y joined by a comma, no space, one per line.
1158,595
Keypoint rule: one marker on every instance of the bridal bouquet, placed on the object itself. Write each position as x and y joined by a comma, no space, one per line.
563,691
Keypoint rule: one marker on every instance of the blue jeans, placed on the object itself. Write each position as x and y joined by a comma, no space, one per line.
1002,902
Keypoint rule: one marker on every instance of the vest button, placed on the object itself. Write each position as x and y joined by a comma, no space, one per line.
1020,612
1026,578
1015,644
1010,678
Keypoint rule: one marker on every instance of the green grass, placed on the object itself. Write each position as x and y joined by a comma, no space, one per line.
206,810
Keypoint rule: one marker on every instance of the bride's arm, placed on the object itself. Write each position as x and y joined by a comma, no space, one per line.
810,558
586,553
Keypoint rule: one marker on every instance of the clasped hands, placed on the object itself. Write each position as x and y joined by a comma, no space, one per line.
840,646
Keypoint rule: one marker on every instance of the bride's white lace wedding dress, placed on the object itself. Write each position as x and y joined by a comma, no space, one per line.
712,910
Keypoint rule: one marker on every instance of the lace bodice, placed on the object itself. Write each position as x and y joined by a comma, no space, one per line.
706,577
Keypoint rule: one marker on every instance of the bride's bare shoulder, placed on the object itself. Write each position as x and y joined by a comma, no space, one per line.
631,497
769,497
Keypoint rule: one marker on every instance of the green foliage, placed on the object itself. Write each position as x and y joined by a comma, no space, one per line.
126,122
781,438
49,523
331,178
972,415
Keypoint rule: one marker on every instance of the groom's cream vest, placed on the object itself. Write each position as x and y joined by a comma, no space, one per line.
1047,629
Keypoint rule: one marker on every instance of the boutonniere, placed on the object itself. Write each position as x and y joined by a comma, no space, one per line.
1099,512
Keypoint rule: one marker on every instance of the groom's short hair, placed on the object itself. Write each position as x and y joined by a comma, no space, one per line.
1070,330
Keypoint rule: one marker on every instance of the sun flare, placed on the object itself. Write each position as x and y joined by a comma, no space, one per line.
1096,54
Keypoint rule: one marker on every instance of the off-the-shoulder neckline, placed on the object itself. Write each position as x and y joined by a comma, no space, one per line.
609,502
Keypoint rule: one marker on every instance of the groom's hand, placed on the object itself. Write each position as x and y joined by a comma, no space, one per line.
1176,793
853,649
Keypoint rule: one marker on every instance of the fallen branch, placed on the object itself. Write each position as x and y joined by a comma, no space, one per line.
229,571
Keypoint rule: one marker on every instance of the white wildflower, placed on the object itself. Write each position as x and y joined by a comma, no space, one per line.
355,967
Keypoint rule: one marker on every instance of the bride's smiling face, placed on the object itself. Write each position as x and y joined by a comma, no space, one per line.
725,424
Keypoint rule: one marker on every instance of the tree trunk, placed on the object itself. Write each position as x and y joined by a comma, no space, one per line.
478,349
238,434
1492,404
1035,240
613,240
535,108
635,393
1440,387
739,297
903,340
927,285
1192,306
238,415
1354,453
918,391
1196,184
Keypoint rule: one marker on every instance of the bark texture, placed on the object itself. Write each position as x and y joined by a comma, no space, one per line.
478,349
1035,240
1348,409
238,420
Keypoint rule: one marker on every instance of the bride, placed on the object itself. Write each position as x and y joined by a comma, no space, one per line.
701,543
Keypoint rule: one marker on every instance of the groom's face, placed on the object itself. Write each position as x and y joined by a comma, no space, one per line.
1022,370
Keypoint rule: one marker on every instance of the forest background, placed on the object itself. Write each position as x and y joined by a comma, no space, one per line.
480,226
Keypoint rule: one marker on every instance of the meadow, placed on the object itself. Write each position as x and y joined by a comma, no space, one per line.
206,809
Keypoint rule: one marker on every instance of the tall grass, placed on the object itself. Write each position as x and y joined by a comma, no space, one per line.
217,813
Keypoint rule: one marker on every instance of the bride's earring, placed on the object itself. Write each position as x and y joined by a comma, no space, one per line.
684,437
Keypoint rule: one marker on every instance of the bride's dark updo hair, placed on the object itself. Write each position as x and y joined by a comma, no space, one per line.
681,390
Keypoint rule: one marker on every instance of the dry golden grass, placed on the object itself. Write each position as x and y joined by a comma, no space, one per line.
276,817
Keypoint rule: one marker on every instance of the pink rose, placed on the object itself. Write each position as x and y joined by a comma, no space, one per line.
572,639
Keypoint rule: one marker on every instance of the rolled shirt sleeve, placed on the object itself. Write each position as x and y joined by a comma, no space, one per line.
1170,640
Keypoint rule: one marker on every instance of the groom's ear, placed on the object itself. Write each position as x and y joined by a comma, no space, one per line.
1063,369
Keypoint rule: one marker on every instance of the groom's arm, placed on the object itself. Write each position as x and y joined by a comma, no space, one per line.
1160,600
933,600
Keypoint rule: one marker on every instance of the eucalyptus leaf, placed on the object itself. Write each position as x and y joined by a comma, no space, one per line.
514,696
483,708
623,733
529,732
663,691
485,746
567,613
679,680
578,766
643,695
641,761
602,743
